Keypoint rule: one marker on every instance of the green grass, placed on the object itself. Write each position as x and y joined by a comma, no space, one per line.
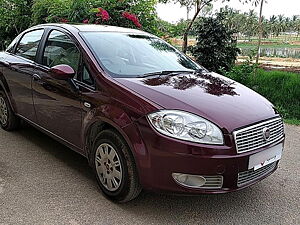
281,88
292,121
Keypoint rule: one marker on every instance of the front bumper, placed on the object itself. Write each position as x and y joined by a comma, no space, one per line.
166,156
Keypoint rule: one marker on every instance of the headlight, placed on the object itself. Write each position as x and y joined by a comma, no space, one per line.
186,126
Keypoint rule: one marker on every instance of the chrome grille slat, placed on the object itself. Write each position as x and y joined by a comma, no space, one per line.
251,138
250,175
258,140
213,182
258,130
255,144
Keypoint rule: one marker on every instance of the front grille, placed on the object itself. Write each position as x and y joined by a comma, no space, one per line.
250,175
213,182
251,138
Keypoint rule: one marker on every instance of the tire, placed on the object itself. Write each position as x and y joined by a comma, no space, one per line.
115,167
8,120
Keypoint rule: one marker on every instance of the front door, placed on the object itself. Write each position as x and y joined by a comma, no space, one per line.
19,71
57,103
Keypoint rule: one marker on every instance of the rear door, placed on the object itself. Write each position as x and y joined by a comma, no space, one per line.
19,69
57,103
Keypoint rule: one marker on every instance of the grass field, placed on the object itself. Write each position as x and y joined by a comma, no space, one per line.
281,88
292,121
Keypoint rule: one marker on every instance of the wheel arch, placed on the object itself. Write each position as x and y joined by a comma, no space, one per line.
5,88
98,125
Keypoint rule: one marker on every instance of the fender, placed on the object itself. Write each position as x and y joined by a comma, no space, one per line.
5,88
118,119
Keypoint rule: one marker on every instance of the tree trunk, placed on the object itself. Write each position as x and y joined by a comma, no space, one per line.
260,31
187,13
199,7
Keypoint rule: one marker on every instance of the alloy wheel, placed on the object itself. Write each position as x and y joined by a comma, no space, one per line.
108,166
3,111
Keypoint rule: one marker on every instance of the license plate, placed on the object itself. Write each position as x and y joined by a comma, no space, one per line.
265,157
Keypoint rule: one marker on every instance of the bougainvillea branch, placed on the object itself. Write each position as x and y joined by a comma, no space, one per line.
103,14
63,20
133,18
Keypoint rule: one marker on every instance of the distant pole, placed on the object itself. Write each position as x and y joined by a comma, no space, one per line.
260,30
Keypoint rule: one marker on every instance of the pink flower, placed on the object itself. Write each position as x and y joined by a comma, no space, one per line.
103,14
86,21
63,20
133,18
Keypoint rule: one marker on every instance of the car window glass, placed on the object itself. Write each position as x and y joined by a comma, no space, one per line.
60,49
29,43
132,55
86,77
10,48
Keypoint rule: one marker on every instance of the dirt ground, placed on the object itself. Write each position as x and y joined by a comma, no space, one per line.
284,64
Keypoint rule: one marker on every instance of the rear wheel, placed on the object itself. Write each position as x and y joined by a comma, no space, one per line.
115,167
8,120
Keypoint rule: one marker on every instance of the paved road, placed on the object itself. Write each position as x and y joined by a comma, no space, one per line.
43,182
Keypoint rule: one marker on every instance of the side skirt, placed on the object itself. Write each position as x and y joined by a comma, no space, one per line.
54,136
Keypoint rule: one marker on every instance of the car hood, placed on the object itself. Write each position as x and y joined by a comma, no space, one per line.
223,101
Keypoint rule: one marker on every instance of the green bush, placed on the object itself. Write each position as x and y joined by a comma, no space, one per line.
216,49
15,16
76,11
18,15
242,73
281,88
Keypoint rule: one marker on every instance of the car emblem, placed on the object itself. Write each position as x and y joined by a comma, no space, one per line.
266,133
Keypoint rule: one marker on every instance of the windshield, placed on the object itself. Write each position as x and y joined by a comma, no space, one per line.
132,55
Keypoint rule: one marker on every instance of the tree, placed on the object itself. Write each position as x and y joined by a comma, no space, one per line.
199,5
137,13
15,16
260,24
219,51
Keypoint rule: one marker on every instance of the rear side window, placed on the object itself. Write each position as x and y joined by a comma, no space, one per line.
60,49
28,46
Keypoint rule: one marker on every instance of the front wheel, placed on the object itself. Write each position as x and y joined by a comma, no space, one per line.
115,167
8,120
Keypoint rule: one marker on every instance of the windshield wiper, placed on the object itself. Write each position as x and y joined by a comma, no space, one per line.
200,70
165,72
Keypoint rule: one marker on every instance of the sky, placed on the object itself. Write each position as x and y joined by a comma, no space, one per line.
173,12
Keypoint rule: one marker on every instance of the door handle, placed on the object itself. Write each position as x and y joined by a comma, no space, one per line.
36,77
87,105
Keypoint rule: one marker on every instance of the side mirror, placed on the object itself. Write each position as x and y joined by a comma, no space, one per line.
62,72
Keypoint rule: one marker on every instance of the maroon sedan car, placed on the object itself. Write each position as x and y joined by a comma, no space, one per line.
143,114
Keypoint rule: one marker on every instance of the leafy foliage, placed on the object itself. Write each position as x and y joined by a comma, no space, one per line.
216,48
77,11
15,16
18,15
281,88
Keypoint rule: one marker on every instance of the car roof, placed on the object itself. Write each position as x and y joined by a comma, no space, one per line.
95,28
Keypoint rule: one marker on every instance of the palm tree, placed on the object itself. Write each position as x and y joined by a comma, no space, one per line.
273,24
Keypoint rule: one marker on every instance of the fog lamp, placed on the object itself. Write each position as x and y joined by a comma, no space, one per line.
188,180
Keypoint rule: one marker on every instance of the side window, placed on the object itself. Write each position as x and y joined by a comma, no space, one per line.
60,49
87,78
29,43
11,47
